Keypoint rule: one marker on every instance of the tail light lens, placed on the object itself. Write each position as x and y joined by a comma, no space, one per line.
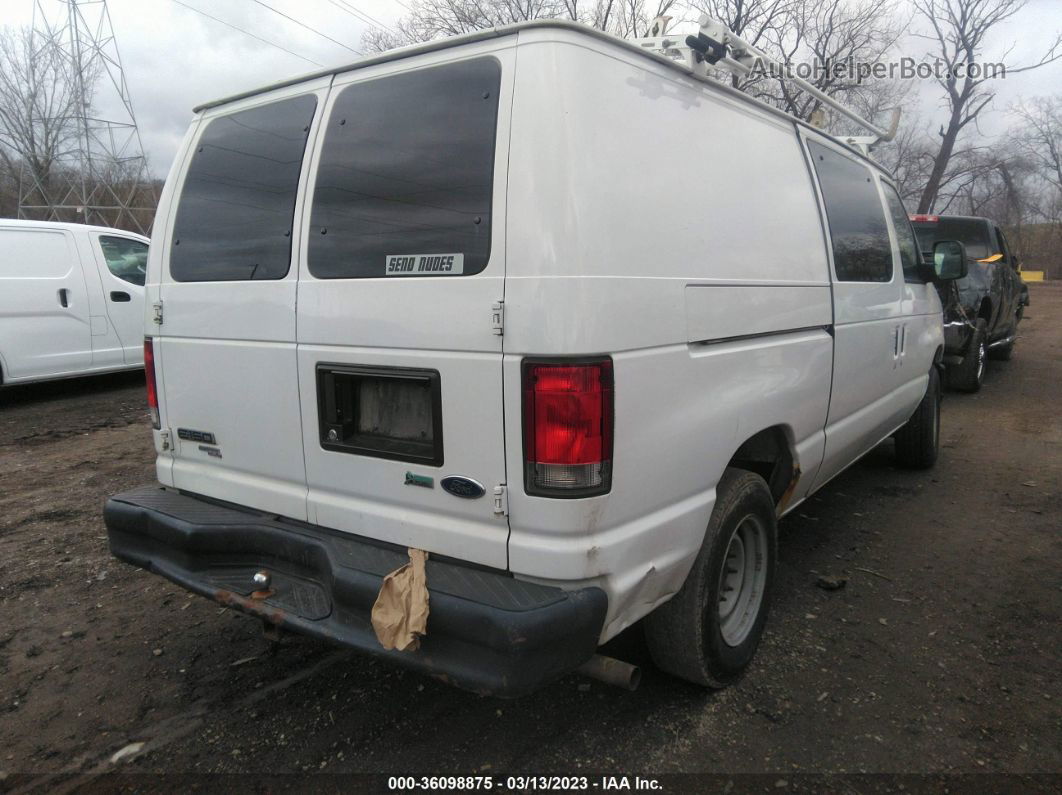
568,421
152,389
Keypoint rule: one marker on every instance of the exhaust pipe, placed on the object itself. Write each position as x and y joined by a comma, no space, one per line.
612,672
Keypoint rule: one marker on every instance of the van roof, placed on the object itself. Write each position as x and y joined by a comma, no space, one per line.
509,30
19,223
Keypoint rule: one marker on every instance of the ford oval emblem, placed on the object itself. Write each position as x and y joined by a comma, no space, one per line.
462,487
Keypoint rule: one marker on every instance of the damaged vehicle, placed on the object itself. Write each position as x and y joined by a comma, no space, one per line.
982,310
447,362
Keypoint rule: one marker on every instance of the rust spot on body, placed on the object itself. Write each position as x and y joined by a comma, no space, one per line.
787,495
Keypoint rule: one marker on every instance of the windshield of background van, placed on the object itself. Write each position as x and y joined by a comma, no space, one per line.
407,171
970,232
237,205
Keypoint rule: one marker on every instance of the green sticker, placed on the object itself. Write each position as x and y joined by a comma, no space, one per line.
419,480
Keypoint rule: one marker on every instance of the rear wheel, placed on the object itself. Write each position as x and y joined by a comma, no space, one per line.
918,441
708,633
968,375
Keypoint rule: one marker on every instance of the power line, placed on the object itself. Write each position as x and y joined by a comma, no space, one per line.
351,13
357,10
247,33
303,25
357,13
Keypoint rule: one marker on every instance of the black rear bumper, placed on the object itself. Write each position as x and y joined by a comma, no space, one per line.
487,632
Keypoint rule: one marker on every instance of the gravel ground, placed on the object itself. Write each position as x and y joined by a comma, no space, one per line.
941,655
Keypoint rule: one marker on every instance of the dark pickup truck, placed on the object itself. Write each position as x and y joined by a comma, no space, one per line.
982,310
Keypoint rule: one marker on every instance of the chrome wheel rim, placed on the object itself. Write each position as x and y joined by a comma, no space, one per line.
742,580
981,355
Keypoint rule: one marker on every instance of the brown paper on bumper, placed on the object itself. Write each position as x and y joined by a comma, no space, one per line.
400,615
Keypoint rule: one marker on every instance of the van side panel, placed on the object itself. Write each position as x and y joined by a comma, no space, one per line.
707,282
39,337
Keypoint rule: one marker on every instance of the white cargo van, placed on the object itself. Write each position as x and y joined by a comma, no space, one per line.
576,322
71,300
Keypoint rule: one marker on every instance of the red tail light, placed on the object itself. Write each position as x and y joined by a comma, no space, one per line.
152,389
568,423
919,217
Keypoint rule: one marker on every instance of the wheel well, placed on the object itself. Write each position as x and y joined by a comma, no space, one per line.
985,310
770,455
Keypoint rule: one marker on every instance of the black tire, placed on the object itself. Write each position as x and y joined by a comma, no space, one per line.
918,441
686,634
970,373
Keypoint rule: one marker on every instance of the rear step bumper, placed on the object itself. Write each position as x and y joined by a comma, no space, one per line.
487,632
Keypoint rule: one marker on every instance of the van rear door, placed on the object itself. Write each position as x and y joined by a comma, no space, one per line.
226,345
400,363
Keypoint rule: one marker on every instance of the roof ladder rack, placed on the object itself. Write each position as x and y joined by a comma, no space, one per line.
716,45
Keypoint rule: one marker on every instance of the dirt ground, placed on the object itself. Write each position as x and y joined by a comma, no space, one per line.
941,655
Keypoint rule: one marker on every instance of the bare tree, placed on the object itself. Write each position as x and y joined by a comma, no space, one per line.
836,36
1041,137
38,98
1040,142
433,19
960,33
908,157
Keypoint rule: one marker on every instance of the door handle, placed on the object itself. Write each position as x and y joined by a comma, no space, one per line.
63,297
119,296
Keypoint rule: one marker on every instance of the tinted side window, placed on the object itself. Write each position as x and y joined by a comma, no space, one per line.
406,175
126,258
861,249
237,206
905,236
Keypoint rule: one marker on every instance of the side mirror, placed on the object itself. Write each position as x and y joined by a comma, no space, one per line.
949,260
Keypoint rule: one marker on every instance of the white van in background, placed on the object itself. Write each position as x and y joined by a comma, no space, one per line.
578,323
71,300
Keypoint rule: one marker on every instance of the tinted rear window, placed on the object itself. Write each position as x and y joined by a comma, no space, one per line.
237,206
406,175
861,248
970,232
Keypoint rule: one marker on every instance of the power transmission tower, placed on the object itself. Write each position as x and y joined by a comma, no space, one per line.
101,176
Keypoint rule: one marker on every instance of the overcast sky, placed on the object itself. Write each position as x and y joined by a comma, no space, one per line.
176,58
